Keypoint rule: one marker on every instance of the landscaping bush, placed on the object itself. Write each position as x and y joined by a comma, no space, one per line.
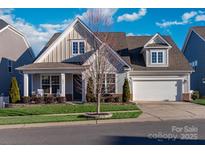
25,99
109,99
14,91
60,99
90,97
195,95
126,91
49,99
118,99
39,100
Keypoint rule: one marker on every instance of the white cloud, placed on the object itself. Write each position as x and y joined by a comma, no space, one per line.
187,18
106,13
200,18
130,34
132,17
37,35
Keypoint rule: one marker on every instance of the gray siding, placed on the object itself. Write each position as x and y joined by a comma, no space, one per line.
69,84
195,50
36,82
120,78
12,47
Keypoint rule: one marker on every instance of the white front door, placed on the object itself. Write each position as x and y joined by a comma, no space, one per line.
155,90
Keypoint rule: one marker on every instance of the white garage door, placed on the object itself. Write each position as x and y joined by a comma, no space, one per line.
157,90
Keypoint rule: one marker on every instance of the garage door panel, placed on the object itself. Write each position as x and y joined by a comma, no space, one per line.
157,90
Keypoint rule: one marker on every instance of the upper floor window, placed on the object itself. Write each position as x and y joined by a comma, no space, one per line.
78,47
10,66
157,57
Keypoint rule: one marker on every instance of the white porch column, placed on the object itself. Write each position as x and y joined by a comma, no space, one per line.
63,84
25,79
188,84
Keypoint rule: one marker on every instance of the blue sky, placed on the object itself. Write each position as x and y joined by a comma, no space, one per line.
39,24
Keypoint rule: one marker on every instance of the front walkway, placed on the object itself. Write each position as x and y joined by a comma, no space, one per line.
154,111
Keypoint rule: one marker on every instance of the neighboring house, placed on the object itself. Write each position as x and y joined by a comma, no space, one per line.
155,67
194,51
14,52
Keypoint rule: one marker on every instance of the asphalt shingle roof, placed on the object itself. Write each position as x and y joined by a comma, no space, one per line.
3,24
200,30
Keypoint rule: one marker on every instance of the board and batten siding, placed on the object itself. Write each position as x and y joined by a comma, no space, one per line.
63,50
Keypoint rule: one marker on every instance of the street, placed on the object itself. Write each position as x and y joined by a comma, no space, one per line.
161,132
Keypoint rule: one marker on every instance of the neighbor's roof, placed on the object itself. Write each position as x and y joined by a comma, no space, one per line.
50,66
177,61
200,30
3,24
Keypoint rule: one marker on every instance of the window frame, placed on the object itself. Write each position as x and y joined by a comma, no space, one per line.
157,56
50,84
78,45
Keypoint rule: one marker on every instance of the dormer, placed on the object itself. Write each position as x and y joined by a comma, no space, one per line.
156,52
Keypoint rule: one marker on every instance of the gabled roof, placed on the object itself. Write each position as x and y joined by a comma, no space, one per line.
153,42
177,61
3,24
199,30
13,55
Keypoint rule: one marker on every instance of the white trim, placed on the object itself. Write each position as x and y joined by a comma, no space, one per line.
4,28
50,84
156,78
157,34
78,41
157,52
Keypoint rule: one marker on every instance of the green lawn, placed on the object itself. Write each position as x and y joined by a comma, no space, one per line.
61,118
63,108
199,101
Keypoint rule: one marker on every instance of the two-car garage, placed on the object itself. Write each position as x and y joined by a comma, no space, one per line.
157,90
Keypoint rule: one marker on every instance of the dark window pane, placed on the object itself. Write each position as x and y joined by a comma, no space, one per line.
154,57
45,79
160,57
110,78
82,47
75,47
46,88
111,88
55,89
55,80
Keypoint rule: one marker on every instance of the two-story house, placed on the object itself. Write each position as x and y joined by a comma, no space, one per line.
155,67
193,50
15,51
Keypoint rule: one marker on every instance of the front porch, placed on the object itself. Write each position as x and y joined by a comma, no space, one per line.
65,80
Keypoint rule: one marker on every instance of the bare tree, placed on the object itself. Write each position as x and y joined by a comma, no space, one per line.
102,61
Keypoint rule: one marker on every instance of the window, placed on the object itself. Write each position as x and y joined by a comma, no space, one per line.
157,57
10,66
50,84
78,47
108,83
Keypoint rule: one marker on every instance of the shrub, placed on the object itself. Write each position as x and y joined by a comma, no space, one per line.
126,91
14,91
25,99
49,99
118,99
195,95
39,100
90,97
109,99
60,99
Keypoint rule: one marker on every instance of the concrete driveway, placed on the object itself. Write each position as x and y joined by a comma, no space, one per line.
155,111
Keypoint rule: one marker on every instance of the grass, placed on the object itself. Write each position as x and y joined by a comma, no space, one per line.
43,119
63,108
199,101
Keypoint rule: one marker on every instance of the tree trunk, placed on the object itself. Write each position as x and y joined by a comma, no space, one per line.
98,103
